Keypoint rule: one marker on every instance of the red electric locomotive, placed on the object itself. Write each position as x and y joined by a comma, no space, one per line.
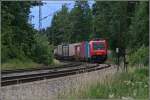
98,50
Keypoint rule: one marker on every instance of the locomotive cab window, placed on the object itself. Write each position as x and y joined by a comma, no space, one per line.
98,46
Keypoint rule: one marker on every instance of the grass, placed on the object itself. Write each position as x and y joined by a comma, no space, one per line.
122,85
24,64
19,64
76,89
133,84
56,62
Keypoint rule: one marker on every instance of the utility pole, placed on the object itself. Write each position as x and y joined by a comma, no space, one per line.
30,19
40,16
93,28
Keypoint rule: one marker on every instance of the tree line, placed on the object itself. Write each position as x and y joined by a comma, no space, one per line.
19,40
123,24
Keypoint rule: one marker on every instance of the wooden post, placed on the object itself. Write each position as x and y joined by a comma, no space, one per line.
117,51
125,62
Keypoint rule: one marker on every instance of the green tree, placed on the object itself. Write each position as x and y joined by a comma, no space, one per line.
110,22
81,19
19,38
41,50
139,28
102,15
60,29
71,26
17,33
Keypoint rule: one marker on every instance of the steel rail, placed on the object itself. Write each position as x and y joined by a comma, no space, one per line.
41,76
70,64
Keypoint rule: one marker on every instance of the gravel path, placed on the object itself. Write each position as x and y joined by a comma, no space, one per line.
54,88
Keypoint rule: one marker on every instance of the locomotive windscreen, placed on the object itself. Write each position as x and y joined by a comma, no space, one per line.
98,46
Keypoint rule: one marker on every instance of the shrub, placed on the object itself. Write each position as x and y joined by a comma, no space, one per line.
11,52
140,56
4,53
41,50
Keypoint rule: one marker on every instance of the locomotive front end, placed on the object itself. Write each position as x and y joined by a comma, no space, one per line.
98,50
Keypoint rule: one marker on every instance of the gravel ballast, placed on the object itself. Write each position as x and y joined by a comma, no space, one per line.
54,88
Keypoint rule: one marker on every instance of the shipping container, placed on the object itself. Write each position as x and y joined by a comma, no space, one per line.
59,50
77,51
87,53
82,50
71,50
65,50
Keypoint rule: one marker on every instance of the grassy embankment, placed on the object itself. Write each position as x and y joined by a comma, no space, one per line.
19,64
126,85
23,64
133,84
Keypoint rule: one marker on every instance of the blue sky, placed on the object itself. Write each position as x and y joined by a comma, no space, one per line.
48,9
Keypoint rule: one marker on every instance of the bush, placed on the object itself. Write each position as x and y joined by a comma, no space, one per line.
41,50
11,52
140,56
4,53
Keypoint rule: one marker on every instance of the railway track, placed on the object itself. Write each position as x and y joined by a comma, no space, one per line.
69,64
17,77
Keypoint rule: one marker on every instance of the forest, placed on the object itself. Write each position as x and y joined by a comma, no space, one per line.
125,24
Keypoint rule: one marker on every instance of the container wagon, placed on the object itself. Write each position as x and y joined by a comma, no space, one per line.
91,51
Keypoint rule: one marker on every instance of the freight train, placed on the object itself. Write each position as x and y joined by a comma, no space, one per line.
91,51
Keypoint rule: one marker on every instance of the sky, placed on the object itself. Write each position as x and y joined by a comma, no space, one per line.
48,9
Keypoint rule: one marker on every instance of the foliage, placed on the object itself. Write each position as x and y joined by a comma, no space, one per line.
60,29
19,39
124,24
17,34
138,31
71,26
125,85
111,22
41,50
81,18
140,56
13,64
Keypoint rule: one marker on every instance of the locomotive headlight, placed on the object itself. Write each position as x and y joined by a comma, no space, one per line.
98,53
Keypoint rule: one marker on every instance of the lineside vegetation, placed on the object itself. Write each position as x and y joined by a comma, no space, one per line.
123,24
131,85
